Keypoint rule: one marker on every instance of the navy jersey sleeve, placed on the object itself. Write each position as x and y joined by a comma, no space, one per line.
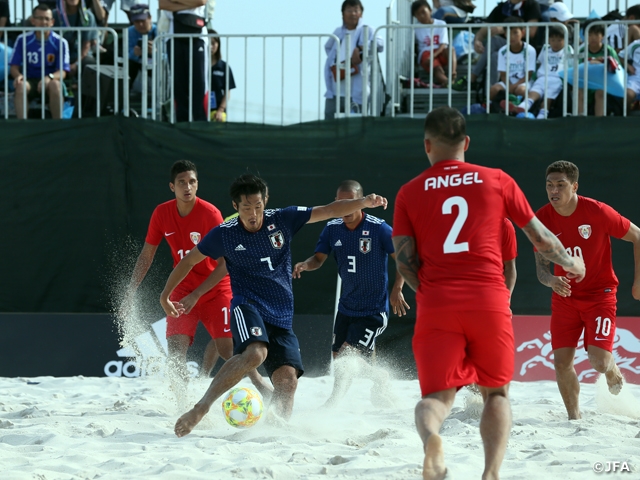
385,237
211,245
324,243
296,217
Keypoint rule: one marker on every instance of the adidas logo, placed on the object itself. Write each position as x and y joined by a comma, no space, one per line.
240,248
338,244
147,353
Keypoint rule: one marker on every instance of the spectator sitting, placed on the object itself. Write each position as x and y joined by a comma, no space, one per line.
219,96
616,31
352,26
559,12
522,64
526,11
596,52
56,54
632,54
73,13
5,16
433,42
140,17
550,65
448,11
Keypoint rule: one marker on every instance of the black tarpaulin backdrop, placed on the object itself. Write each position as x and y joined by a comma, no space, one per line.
77,190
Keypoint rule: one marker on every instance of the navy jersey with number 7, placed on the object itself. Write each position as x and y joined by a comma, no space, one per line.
259,263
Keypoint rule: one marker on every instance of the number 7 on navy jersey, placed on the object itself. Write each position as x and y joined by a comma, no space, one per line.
450,245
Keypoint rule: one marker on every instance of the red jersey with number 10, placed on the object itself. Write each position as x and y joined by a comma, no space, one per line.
182,234
455,211
586,233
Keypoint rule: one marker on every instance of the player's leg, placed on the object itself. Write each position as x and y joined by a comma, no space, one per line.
600,332
209,358
495,425
491,351
54,90
599,103
251,343
566,328
284,366
439,347
21,107
430,414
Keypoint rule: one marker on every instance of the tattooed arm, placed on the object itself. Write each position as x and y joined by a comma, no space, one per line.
550,248
407,261
560,285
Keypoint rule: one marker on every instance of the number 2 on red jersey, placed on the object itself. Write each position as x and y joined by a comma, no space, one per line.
450,245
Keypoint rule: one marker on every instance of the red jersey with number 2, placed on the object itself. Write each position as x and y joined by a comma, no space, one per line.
455,211
586,233
184,233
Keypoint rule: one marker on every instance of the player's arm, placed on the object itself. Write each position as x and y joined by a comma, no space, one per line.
560,285
551,249
177,275
407,262
510,274
211,281
143,263
633,236
396,299
312,263
340,208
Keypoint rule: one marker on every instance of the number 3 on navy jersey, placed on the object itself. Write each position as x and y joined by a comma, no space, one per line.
450,245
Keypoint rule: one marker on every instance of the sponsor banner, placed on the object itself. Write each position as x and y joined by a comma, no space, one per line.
534,355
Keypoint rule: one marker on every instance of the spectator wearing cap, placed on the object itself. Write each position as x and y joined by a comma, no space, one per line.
559,12
140,17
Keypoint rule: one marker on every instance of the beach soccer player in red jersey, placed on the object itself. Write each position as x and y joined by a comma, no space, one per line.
183,222
447,233
584,226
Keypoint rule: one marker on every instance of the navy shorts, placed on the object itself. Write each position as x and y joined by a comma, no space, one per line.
248,327
359,332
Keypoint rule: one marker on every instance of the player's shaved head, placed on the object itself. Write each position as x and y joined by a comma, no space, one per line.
247,184
182,166
446,126
568,168
351,186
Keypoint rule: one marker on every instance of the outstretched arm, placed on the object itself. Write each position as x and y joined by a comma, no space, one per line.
633,236
510,274
211,281
550,248
340,208
407,262
396,299
177,275
312,263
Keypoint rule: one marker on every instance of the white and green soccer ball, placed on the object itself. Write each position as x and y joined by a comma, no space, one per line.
242,408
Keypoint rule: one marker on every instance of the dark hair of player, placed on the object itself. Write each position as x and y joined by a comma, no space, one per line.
568,168
43,7
417,5
351,186
445,125
595,29
182,166
556,31
633,12
514,19
352,3
218,55
247,184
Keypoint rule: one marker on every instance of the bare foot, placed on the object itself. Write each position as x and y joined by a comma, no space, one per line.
614,380
188,421
434,467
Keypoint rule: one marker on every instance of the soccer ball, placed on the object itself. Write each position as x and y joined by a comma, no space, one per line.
242,408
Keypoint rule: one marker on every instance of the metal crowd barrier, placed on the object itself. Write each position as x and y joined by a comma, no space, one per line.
81,70
395,76
240,58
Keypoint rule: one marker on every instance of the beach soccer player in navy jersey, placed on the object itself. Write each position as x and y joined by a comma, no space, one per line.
361,245
255,248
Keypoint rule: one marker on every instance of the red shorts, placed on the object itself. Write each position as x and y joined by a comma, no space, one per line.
453,349
596,316
441,60
213,312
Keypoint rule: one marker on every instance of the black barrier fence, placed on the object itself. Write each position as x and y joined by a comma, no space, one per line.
80,195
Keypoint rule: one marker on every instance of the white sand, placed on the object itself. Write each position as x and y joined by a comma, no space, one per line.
118,428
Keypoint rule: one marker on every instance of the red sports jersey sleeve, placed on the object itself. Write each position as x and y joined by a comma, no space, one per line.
455,211
509,243
183,234
586,233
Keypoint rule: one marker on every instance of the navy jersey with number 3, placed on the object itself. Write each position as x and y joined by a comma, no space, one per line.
259,263
362,256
